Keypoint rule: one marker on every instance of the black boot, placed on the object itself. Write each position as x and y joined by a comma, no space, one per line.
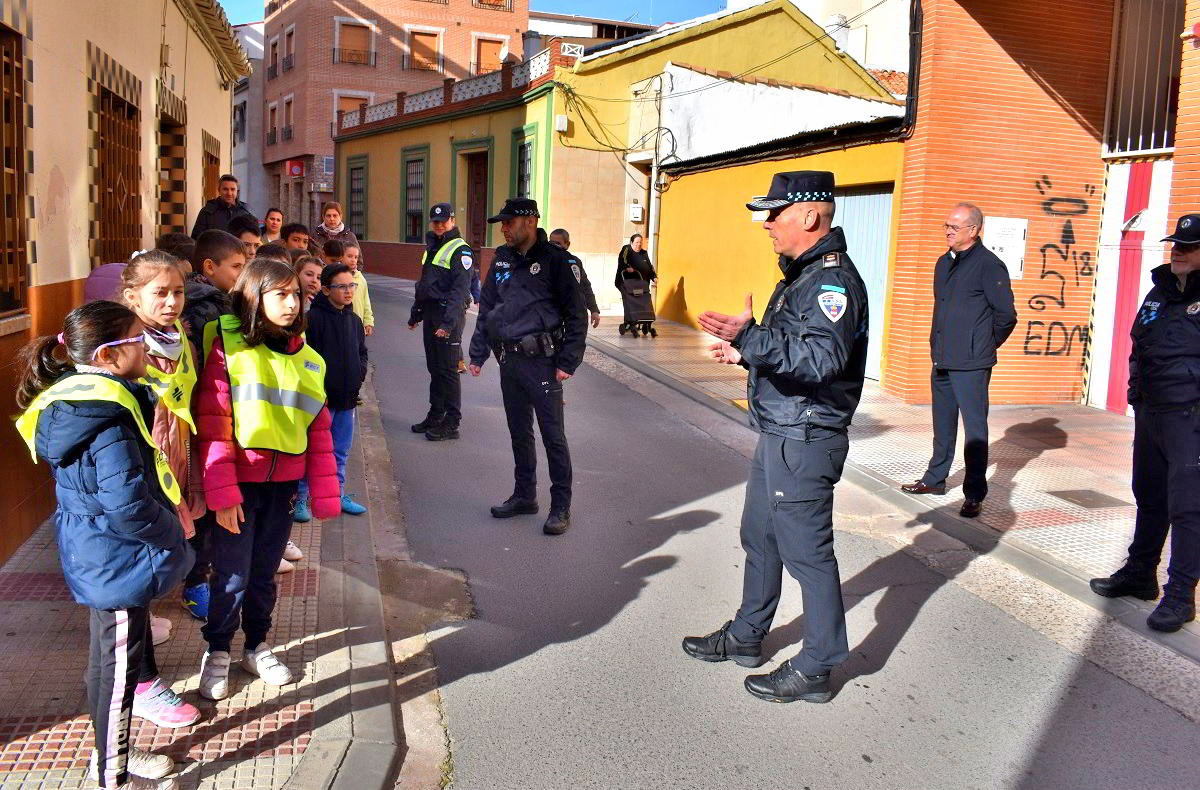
1129,580
446,431
558,522
515,506
721,645
431,421
1177,607
787,685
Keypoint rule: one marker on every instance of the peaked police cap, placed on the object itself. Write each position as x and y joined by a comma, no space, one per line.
517,207
797,186
1187,230
441,211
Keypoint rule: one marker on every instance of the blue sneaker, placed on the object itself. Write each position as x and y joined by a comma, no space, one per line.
195,600
302,514
352,507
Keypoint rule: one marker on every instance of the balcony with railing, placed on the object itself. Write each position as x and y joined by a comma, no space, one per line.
289,62
484,68
358,57
493,5
272,136
272,71
287,132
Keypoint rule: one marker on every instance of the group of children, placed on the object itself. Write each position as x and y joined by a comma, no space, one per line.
187,422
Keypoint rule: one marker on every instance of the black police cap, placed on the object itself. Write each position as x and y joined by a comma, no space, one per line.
516,207
798,186
1187,230
441,211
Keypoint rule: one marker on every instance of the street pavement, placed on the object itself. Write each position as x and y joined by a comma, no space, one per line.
965,673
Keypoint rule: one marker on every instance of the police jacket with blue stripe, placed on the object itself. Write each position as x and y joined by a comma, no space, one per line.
808,357
119,538
1164,365
443,291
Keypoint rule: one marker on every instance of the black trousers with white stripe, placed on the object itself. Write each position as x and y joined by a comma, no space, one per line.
119,641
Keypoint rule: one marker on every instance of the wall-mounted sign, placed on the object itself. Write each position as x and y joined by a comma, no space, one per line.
1006,236
295,168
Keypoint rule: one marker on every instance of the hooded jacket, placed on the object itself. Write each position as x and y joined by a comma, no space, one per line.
1164,365
119,538
217,214
338,336
808,357
203,302
973,311
443,293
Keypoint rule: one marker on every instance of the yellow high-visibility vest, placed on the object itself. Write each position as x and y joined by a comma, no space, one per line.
442,258
275,396
175,389
90,386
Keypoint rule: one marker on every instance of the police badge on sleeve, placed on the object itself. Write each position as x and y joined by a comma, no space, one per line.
575,271
832,304
467,261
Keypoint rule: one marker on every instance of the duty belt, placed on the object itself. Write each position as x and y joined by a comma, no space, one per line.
537,345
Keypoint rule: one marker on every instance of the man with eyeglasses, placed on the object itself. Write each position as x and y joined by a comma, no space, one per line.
1164,367
973,315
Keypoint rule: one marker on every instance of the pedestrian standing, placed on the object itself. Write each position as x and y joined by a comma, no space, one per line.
272,225
634,262
440,305
1166,437
119,536
362,293
261,425
221,210
973,315
246,230
308,268
561,238
296,238
806,360
332,228
531,316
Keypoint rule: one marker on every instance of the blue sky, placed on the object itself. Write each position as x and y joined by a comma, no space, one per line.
645,11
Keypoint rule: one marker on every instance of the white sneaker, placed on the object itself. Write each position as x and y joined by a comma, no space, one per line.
292,552
214,675
285,566
262,662
160,629
146,765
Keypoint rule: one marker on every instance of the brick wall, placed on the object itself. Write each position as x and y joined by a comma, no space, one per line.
1185,183
1011,119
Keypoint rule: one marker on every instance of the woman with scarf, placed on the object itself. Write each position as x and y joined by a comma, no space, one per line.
333,228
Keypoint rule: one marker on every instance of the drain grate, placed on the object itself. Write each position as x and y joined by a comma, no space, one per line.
1089,498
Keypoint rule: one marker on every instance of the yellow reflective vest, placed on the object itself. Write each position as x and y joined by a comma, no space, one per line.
443,256
90,386
275,396
175,389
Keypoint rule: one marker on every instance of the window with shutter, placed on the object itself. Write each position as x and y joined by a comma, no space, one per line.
487,55
423,50
355,45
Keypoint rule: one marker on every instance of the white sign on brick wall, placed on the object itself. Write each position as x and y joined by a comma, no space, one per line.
1006,236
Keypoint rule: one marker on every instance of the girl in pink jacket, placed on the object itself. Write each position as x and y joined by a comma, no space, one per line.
261,425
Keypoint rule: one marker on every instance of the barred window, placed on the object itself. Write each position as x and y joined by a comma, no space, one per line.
525,169
14,269
1144,95
414,191
120,177
358,200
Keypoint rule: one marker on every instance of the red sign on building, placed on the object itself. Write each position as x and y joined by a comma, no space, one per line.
295,168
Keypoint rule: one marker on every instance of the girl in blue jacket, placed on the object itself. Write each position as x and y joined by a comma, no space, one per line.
119,538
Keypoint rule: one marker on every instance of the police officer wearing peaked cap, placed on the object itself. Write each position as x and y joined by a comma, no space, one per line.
532,317
806,360
1163,369
441,300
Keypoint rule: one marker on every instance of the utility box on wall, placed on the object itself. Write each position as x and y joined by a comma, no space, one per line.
636,213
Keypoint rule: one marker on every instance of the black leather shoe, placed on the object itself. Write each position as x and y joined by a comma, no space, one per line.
431,421
919,487
721,645
787,685
1177,607
558,522
1127,581
970,508
441,433
514,506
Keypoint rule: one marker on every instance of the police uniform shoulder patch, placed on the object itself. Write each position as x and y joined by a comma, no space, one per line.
1193,308
467,260
313,366
832,304
535,268
579,277
831,261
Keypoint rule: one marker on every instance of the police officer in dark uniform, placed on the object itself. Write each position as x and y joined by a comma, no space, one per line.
442,296
806,360
1164,367
531,316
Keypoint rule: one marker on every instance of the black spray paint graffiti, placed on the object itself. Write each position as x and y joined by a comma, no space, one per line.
1052,338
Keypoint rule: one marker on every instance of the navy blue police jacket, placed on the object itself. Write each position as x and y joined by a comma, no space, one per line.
1164,365
526,294
441,287
119,538
808,357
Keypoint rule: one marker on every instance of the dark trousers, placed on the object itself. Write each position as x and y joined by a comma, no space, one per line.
787,522
529,387
242,586
958,392
201,567
119,638
441,359
1166,486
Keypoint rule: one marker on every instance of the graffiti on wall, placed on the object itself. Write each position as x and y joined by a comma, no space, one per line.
1062,264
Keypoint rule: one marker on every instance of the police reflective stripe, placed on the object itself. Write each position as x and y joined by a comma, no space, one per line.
442,257
242,393
89,386
174,389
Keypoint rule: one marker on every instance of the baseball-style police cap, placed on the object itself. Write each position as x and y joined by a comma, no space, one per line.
1187,230
441,211
517,207
798,186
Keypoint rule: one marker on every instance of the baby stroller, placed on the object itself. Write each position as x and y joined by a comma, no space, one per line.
638,305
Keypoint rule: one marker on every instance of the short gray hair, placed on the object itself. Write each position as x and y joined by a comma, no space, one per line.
974,215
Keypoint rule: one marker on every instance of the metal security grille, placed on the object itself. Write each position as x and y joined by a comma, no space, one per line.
414,191
525,170
358,201
13,261
1144,95
120,209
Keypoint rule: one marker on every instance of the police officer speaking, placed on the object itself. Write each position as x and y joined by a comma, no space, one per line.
806,360
531,316
441,300
1166,437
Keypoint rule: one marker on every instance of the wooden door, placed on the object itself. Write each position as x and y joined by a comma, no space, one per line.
120,178
477,199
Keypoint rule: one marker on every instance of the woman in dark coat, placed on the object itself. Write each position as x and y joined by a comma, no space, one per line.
634,260
334,228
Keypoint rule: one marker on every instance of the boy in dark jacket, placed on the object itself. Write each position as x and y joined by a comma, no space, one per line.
337,334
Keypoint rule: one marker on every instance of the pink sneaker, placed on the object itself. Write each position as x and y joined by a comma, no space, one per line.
162,706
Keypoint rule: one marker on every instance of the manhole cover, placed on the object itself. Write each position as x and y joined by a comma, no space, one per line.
1089,498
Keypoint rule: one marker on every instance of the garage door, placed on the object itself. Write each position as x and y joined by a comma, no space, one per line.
865,214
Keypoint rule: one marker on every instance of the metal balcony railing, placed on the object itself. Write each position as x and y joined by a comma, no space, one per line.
494,5
483,68
289,62
272,137
360,57
287,132
272,71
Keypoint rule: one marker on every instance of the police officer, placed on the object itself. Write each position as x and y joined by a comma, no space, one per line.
806,360
442,296
531,316
1163,369
560,238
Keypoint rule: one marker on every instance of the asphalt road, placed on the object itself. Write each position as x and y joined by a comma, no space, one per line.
570,673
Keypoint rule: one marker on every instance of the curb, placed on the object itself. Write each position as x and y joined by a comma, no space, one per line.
981,539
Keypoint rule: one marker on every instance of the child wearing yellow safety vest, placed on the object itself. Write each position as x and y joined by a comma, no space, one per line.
119,537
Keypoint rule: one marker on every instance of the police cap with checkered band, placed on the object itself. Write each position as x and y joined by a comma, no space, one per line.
1187,230
798,186
516,207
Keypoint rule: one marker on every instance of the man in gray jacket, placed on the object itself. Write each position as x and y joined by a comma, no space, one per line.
973,315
